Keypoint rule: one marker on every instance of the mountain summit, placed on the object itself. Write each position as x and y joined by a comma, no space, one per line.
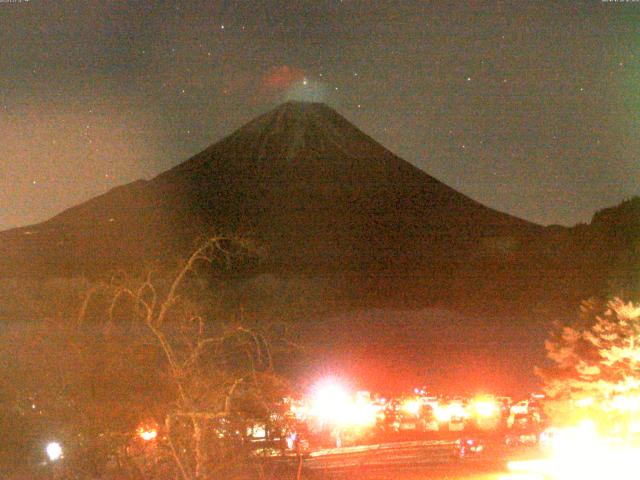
315,191
389,273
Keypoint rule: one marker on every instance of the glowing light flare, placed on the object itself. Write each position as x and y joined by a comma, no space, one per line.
458,410
363,414
411,407
579,452
307,90
580,440
485,408
522,476
520,408
330,403
147,434
54,451
585,402
444,413
625,403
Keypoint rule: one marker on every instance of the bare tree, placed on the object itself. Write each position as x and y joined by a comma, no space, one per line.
161,359
221,372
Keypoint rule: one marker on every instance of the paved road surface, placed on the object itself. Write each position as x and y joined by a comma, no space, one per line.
410,460
384,454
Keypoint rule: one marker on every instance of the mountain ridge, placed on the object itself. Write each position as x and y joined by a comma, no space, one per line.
319,196
310,185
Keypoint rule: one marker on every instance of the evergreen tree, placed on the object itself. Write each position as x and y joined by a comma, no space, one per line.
595,371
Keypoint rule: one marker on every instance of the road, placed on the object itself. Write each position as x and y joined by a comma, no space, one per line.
383,454
408,460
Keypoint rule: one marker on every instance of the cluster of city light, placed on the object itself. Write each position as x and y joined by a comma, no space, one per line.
331,404
447,412
332,408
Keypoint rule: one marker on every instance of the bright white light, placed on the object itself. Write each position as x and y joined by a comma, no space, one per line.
485,408
307,90
54,451
147,433
412,407
442,413
363,413
579,453
330,402
585,402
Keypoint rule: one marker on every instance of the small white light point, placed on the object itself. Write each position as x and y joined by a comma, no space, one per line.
147,434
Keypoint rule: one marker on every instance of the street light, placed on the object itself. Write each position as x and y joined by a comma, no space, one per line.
147,434
330,402
54,451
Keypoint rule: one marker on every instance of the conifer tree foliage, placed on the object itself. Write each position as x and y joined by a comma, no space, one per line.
595,366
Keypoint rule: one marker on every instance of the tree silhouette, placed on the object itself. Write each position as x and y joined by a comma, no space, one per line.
595,369
144,355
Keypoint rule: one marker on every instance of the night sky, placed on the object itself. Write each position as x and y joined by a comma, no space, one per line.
528,107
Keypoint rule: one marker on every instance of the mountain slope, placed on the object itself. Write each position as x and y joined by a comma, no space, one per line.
310,187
